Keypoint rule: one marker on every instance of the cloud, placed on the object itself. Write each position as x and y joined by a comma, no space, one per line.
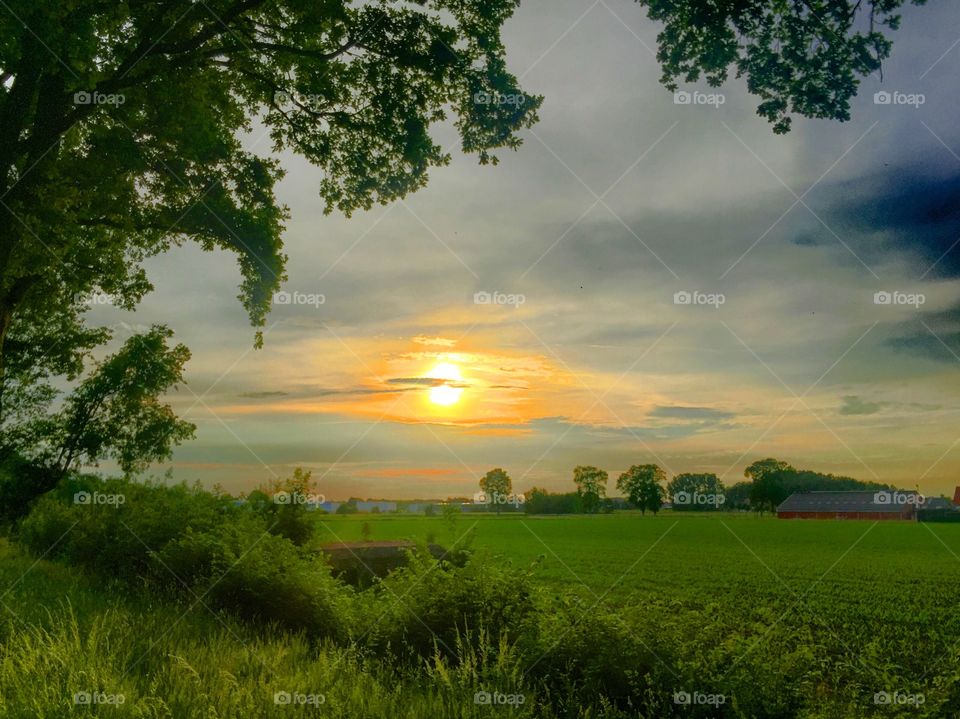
418,381
266,394
701,413
434,341
852,405
911,209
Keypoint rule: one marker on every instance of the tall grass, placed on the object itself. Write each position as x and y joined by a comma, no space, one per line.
61,635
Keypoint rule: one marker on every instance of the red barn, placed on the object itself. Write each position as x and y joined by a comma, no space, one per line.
850,505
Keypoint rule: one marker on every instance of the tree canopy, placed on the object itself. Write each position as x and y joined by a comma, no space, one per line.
798,56
122,134
591,486
643,485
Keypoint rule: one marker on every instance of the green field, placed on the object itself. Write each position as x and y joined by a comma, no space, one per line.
785,618
875,602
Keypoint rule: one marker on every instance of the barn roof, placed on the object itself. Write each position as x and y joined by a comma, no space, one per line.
856,501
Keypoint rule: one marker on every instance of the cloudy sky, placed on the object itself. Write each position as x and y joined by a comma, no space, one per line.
409,381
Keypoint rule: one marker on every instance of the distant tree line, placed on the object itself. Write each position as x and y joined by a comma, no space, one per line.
645,487
773,480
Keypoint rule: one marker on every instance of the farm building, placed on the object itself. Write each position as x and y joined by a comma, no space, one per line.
850,505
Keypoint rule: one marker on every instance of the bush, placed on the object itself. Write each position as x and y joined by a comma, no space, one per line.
268,579
168,537
112,527
428,606
586,655
21,483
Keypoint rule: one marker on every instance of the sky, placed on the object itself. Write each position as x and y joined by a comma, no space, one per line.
644,281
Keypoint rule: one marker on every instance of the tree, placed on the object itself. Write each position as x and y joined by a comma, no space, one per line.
117,413
768,477
286,510
591,487
540,501
696,492
120,136
496,485
798,56
451,513
737,496
643,485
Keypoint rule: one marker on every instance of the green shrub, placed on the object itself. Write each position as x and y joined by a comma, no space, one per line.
192,543
429,606
21,483
582,653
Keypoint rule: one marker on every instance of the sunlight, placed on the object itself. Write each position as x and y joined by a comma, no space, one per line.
445,394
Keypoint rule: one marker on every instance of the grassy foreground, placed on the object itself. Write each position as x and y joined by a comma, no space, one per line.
779,619
71,648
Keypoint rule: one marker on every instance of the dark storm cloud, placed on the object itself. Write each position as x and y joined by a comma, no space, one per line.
911,210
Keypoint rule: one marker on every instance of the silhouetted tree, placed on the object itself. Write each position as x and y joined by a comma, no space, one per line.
797,56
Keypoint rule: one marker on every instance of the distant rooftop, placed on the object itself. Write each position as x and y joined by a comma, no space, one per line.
853,501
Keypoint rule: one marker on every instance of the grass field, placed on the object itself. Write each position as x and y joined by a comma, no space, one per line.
872,606
808,618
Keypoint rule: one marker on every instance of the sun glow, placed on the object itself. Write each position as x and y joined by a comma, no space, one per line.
447,393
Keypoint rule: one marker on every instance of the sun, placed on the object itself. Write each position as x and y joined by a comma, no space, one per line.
445,394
